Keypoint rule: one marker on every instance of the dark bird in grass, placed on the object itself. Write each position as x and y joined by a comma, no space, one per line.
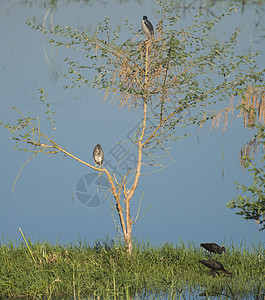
212,247
98,155
214,265
147,27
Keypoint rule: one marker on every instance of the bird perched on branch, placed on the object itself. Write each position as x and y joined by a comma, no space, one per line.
212,247
147,27
98,155
214,265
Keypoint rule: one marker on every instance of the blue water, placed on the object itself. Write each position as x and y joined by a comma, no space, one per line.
186,201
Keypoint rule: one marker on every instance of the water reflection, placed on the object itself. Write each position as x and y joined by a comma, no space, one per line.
200,294
195,294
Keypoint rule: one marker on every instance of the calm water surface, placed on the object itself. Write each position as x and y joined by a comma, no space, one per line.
188,199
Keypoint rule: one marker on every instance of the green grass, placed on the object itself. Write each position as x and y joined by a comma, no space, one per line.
104,271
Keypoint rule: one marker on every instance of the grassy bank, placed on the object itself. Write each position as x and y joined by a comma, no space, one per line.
104,271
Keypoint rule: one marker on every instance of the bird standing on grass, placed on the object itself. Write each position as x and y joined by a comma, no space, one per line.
98,155
214,265
147,27
212,247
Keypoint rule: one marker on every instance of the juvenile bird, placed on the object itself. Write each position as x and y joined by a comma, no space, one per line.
98,155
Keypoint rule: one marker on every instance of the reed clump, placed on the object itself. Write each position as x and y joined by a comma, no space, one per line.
105,271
